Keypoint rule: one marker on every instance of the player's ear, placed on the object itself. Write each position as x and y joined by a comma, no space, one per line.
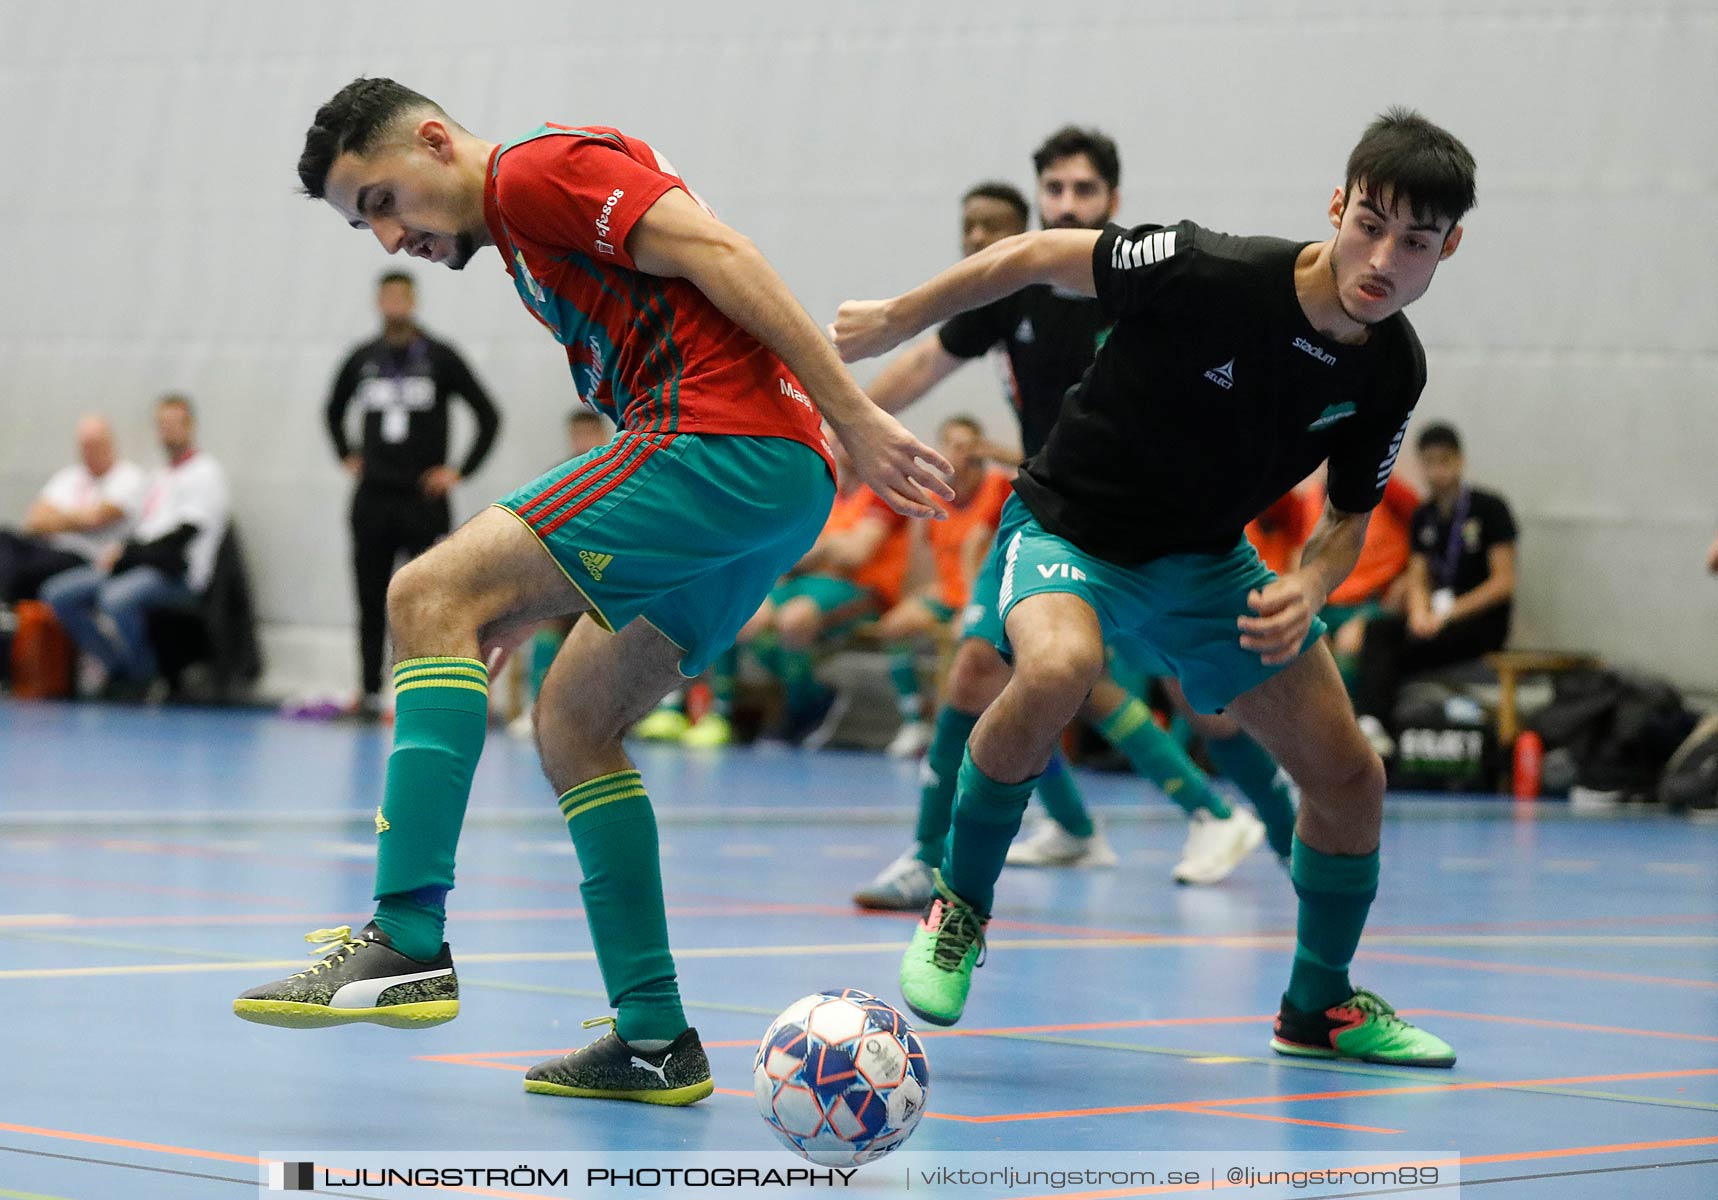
1115,205
1452,239
434,135
1338,202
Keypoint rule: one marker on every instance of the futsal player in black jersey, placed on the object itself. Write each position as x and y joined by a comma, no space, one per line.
1048,337
1235,366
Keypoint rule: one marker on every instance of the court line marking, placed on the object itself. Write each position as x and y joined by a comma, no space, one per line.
849,948
96,1139
1468,964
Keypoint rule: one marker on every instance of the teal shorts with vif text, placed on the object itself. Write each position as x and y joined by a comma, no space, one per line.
1178,610
687,531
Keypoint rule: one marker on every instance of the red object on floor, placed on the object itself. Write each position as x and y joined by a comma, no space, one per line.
41,654
1529,758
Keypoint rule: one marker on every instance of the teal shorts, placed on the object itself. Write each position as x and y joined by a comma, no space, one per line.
688,532
843,603
1174,615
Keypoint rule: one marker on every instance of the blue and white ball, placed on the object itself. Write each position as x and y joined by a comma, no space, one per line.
841,1078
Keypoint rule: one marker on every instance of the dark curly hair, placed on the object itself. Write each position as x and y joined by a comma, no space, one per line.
354,120
1403,156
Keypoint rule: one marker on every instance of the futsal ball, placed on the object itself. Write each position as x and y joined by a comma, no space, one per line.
841,1078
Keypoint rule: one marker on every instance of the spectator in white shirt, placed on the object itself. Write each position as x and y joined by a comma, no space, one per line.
165,563
83,510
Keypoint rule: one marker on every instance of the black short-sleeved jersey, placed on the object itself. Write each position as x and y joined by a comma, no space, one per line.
1050,337
1212,397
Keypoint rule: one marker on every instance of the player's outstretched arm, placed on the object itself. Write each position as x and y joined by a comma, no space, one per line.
867,328
908,377
678,238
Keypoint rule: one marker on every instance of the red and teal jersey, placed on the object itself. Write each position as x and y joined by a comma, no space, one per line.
652,354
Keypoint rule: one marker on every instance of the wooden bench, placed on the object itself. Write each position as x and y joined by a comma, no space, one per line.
1511,666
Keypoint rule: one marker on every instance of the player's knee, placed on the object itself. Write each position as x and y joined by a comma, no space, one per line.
976,677
1061,667
417,599
798,625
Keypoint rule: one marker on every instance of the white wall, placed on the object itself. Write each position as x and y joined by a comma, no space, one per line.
153,240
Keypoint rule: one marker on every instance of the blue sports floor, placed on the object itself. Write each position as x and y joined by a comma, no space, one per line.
155,863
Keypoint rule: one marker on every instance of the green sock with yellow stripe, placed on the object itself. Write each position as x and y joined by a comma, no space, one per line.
441,713
1154,754
614,832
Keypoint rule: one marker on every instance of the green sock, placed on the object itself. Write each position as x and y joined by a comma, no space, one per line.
545,644
1155,755
722,672
937,778
905,676
441,713
1245,763
1060,796
986,818
614,832
1335,891
799,681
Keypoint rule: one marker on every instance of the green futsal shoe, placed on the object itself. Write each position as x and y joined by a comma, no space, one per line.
1362,1027
662,725
948,943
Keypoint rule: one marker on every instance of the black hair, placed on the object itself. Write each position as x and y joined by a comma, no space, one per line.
584,416
1404,157
1440,435
1070,140
404,277
354,121
1007,193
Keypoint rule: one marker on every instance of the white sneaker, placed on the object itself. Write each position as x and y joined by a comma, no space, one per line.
1049,845
912,740
905,885
1383,745
1215,848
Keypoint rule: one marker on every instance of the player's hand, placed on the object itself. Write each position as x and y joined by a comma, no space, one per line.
354,464
862,329
1712,556
439,481
1285,610
904,471
1425,625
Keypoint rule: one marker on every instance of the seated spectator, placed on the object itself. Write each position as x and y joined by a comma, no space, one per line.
853,572
165,563
1461,582
84,510
958,546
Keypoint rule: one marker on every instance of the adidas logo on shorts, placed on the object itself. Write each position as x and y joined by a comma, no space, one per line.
595,563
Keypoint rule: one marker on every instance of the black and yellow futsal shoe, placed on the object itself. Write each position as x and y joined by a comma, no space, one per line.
360,978
610,1069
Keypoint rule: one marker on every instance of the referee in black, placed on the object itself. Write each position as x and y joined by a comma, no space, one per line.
402,382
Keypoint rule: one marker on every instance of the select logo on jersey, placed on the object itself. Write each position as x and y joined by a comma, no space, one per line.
1023,332
1060,571
536,288
603,245
1223,376
595,563
1143,251
1323,356
1331,416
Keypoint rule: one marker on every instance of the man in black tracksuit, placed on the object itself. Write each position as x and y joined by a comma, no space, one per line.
402,381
